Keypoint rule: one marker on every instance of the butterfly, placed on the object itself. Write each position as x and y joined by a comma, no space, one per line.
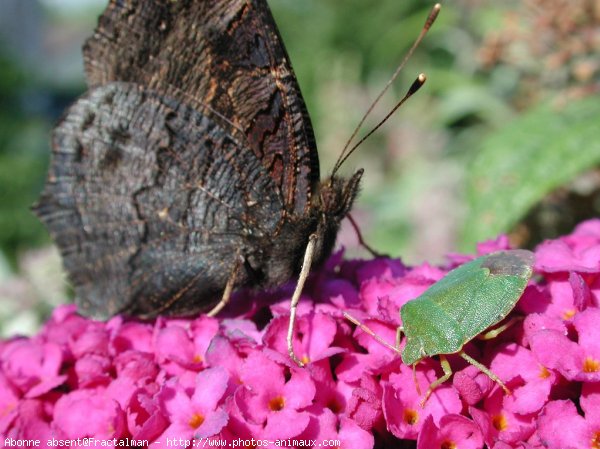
189,167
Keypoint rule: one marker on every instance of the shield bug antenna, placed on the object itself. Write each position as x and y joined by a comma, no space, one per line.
461,306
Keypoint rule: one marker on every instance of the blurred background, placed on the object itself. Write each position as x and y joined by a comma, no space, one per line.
503,137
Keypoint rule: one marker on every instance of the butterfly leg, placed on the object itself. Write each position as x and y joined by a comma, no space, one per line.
485,370
361,241
304,272
436,383
228,288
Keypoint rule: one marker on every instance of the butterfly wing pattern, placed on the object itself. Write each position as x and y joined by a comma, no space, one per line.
190,155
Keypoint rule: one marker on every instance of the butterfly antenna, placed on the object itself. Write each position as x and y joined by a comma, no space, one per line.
416,85
345,152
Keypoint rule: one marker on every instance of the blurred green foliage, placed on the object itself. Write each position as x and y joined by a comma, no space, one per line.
23,161
546,148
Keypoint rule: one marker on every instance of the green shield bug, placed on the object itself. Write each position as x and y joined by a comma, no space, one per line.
459,307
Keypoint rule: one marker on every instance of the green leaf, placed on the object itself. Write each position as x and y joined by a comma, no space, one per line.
524,161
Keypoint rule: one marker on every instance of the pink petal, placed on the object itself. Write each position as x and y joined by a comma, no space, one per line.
9,400
173,343
88,413
472,384
455,431
210,387
560,427
401,402
299,391
285,424
132,335
354,436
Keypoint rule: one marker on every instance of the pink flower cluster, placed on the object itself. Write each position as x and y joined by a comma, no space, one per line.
231,378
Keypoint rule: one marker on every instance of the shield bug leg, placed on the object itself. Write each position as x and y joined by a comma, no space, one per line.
304,272
485,370
370,332
228,289
493,333
414,370
436,383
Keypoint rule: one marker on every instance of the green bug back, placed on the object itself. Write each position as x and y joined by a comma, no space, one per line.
463,304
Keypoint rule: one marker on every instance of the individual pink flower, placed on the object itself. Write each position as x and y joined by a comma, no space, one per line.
182,346
377,356
379,268
227,354
561,427
531,382
271,401
32,366
63,326
402,408
312,340
578,360
364,405
579,251
32,422
135,365
325,425
472,384
132,335
88,413
93,370
352,435
500,243
454,431
383,297
239,328
145,418
94,339
567,297
498,423
199,415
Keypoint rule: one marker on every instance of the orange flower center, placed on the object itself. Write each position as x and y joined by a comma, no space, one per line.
591,365
7,409
196,420
596,440
499,422
197,359
411,417
568,314
544,373
277,404
448,445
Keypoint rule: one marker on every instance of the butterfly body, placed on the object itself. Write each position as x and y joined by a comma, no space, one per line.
189,162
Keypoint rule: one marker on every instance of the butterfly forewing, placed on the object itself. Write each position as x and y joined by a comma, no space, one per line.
224,58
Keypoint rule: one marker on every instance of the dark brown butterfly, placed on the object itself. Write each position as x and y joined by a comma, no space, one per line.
190,161
189,168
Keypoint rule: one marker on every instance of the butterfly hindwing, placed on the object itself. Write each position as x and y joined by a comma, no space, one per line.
143,194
